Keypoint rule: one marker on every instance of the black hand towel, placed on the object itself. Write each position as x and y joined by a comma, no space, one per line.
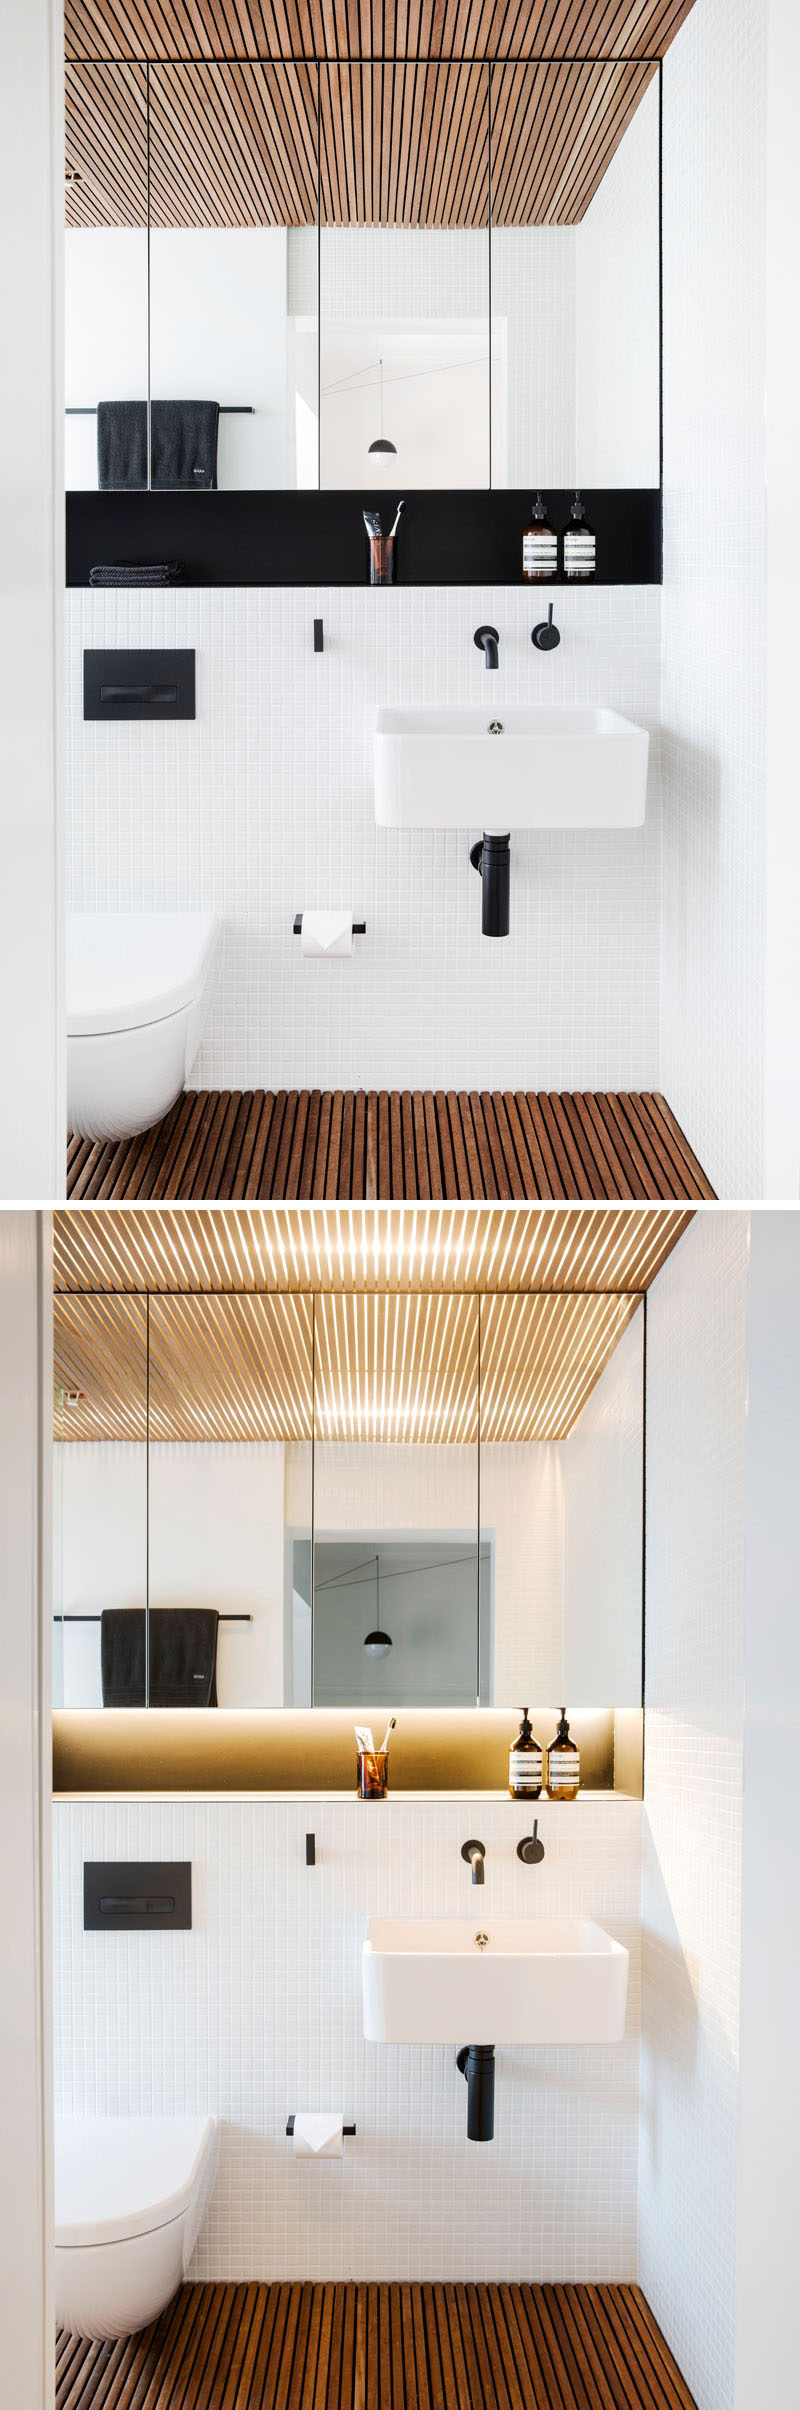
122,1656
183,445
121,447
183,1656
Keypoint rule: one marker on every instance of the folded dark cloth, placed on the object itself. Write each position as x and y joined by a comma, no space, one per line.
136,573
183,446
183,1656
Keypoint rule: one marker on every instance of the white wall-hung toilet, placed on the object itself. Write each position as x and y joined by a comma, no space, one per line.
130,2197
131,2194
139,990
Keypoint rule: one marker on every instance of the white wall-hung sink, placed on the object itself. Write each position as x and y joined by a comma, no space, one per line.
490,1979
511,767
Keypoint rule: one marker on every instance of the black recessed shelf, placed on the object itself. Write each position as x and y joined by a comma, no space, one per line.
467,538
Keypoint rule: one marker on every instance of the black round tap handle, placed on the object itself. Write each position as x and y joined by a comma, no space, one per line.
530,1849
545,636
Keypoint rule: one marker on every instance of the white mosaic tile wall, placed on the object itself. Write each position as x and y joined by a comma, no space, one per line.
264,805
714,603
696,1442
257,2012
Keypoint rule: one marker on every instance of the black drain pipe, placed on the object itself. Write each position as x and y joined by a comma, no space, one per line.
476,2062
491,856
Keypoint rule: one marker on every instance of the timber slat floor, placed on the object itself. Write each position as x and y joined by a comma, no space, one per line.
229,1146
383,2347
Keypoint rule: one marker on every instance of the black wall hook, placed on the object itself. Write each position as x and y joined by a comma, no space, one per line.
319,643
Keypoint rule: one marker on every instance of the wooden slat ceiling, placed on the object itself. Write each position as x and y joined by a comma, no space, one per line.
469,1248
400,1369
247,29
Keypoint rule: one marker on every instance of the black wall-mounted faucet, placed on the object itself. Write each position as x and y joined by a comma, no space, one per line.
474,1852
544,635
486,640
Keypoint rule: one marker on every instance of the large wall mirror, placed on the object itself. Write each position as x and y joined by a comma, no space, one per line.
362,276
347,1500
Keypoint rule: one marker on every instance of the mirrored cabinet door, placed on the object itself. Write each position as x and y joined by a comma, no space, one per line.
229,1496
404,276
105,276
100,1502
350,1500
233,276
395,1573
575,275
561,1496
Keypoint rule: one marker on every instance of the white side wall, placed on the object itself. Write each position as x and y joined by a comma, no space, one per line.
782,942
32,1081
768,2203
714,649
696,1501
26,2300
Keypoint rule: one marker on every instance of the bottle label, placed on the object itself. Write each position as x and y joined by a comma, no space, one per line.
565,1776
540,552
579,552
525,1769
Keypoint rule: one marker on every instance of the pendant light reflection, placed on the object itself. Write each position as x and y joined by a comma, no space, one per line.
382,444
377,1643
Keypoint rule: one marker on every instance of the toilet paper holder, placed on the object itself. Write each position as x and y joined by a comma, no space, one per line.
346,2129
359,926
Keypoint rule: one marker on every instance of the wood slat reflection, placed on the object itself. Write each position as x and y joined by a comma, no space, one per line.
404,143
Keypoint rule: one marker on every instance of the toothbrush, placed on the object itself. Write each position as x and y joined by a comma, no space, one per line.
393,530
392,1719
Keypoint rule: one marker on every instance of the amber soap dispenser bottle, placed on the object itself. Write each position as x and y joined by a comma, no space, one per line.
563,1764
525,1763
539,546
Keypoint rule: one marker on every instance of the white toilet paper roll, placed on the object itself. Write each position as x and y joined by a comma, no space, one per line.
325,934
318,2133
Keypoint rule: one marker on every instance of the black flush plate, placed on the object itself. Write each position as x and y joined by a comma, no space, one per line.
121,1896
138,685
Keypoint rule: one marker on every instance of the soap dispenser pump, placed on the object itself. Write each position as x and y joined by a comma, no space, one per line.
580,550
525,1763
539,546
563,1763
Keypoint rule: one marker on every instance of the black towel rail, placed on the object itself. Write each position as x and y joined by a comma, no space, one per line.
98,1618
227,410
